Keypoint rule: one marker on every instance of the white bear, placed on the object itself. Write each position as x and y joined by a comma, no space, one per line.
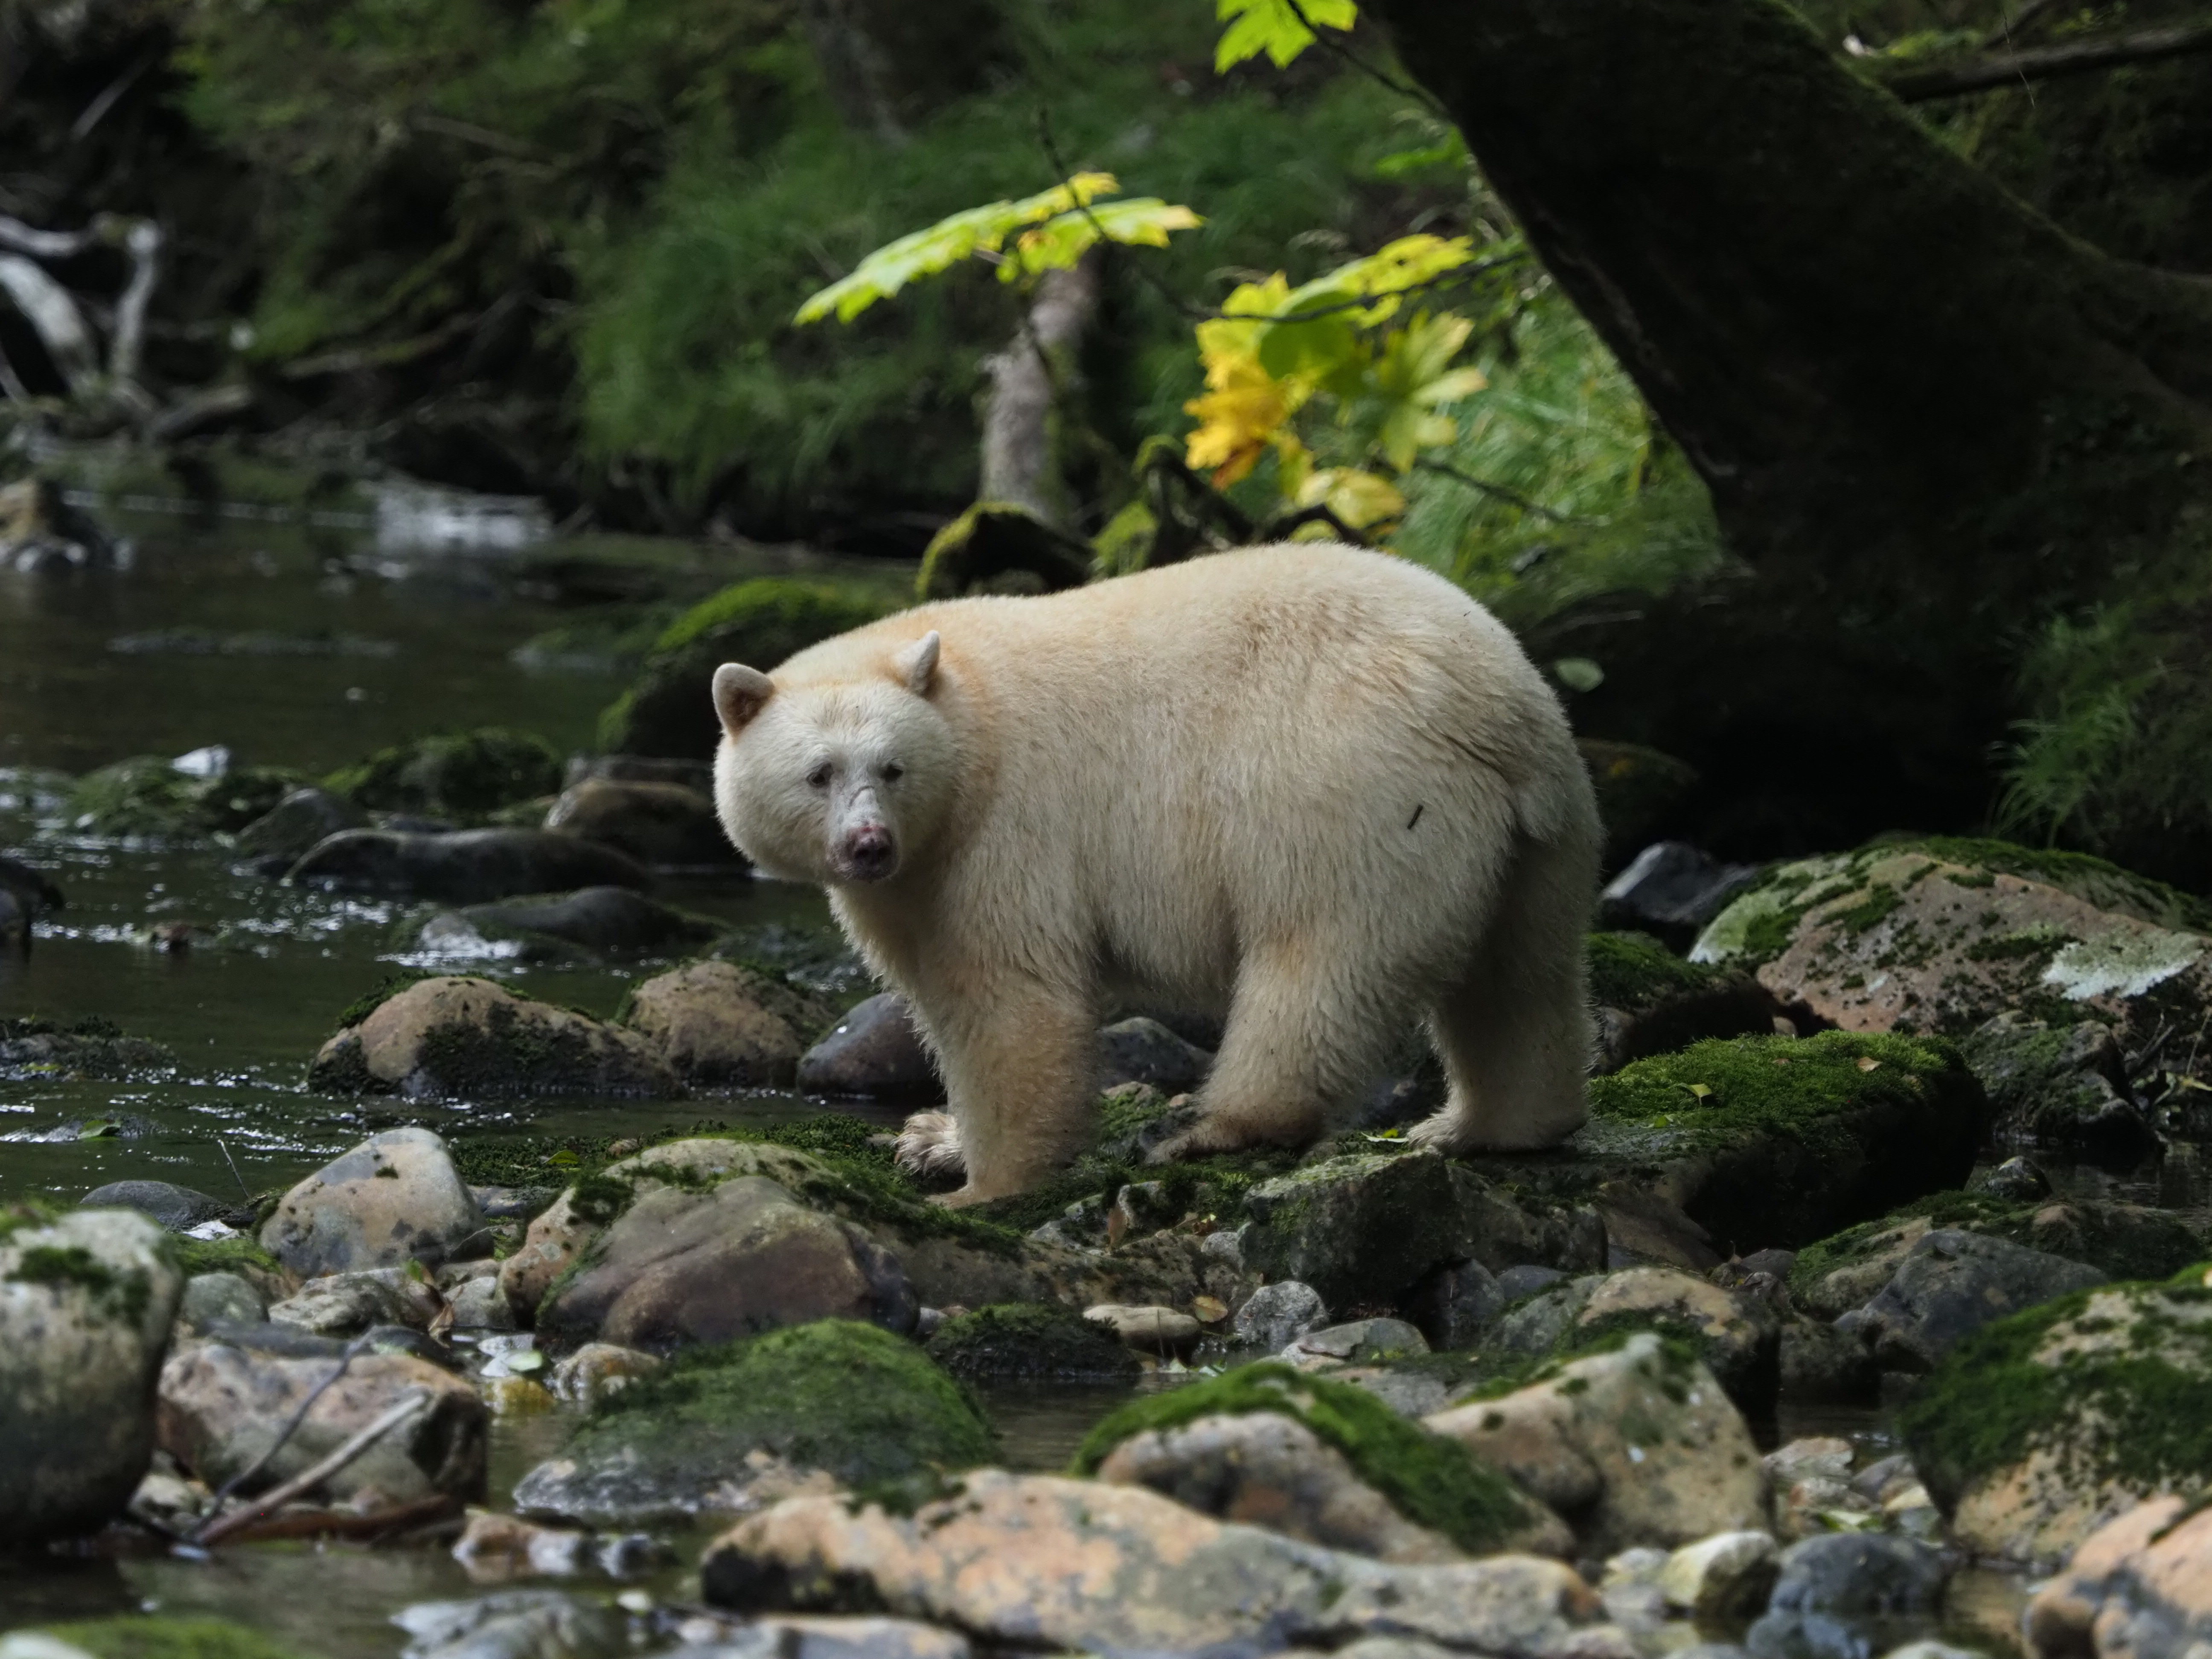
1313,789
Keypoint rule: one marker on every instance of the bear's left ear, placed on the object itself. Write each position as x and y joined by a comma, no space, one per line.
739,692
916,665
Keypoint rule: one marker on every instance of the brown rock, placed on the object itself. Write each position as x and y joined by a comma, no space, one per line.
719,1025
2140,1586
394,1199
663,824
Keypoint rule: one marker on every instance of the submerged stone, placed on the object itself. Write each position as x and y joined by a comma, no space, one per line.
463,867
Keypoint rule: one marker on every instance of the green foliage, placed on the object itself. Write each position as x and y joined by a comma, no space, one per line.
1428,1479
1272,27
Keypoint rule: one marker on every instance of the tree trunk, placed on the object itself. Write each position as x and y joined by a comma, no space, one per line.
1021,463
1928,418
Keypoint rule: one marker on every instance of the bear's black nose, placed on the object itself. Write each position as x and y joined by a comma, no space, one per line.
869,854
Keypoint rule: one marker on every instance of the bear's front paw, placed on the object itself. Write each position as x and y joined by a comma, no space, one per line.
929,1146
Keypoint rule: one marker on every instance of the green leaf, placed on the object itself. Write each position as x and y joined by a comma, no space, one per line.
1581,674
1270,25
1057,244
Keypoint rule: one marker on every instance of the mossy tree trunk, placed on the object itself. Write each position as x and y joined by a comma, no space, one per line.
1929,419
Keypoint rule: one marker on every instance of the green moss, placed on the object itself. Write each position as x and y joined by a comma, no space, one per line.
387,989
1880,901
163,1637
122,1294
1434,1481
463,775
850,1398
1677,1356
225,1255
1028,1340
1631,971
146,796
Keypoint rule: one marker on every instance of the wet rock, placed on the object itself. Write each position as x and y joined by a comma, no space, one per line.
394,1199
2016,1179
1649,1001
874,1053
1274,1472
1950,1284
1726,1576
1455,1304
1278,1313
1737,1335
462,1038
2064,1086
463,867
150,798
479,1305
720,1026
1672,889
600,1368
1636,1446
1836,1592
606,920
303,818
698,775
33,892
527,1624
462,775
86,1302
344,1304
833,1636
688,1266
223,1406
661,825
175,1207
2038,1429
1367,1227
1820,1362
997,1560
1026,1341
815,1408
1144,1051
1147,1329
1359,1342
212,1299
1525,1280
89,1048
2140,1587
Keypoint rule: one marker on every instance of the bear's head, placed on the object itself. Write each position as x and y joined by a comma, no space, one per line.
839,781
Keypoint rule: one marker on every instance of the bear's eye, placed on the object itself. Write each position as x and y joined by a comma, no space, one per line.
893,771
819,777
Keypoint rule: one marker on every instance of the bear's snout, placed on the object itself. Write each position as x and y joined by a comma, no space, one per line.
867,853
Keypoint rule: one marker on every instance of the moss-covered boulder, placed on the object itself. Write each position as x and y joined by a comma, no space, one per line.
153,1637
469,1039
1847,1269
670,710
820,1406
2063,1086
719,1024
1650,1001
91,1046
464,775
1178,1442
1777,1142
148,797
1734,1334
2038,1429
1023,1341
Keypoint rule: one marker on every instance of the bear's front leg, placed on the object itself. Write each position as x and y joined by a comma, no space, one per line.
1018,1057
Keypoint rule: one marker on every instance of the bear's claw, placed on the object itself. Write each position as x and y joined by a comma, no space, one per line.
929,1146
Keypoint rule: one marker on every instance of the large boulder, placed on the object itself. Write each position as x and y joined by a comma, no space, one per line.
86,1302
663,825
2038,1429
1321,1460
1039,1562
1672,889
741,1257
874,1053
1950,1284
719,1025
394,1199
463,867
304,816
223,1403
2140,1587
462,775
1637,1446
814,1407
670,708
470,1039
2063,1085
175,1207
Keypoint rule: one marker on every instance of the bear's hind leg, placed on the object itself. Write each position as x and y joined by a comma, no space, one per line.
1514,1031
1018,1060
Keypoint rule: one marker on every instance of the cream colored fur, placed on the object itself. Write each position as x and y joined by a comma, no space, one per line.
1313,789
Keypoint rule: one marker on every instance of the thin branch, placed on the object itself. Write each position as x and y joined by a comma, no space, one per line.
292,1424
1280,529
307,1479
1917,84
1337,50
1510,497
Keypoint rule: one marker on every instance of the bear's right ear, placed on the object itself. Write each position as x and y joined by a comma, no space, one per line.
739,692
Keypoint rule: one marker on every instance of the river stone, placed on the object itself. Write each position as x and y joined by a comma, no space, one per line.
1725,1577
683,1267
1672,889
1358,1342
463,867
526,1624
1736,1334
211,1299
91,1047
660,824
1023,1341
465,1038
175,1207
1142,1050
2059,1086
1950,1284
1649,1001
813,1407
720,1026
1366,1228
295,823
610,920
394,1199
1846,1594
1279,1312
1043,1562
600,1369
2140,1587
1455,1304
347,1303
222,1404
874,1053
2039,1428
87,1299
453,774
1637,1446
1149,1329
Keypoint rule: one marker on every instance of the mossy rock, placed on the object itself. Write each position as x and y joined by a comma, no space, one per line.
88,1047
241,1254
146,797
849,1400
2126,1241
163,1637
1431,1480
467,775
997,547
1652,1002
1020,1341
669,710
1767,1141
1634,971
